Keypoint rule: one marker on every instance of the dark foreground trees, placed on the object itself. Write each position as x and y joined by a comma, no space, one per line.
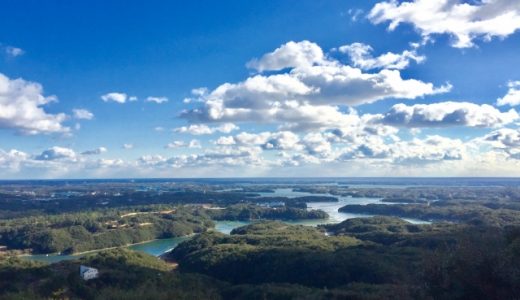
273,260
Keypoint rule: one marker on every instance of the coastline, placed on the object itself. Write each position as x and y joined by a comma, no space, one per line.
78,254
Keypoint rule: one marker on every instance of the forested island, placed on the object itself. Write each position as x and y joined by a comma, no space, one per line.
244,212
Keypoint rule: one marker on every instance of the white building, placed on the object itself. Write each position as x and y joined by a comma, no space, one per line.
88,273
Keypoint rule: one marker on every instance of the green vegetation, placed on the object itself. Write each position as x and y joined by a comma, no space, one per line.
470,213
392,230
251,253
470,251
247,212
366,258
420,262
78,232
124,274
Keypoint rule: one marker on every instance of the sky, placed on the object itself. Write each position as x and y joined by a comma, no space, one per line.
131,89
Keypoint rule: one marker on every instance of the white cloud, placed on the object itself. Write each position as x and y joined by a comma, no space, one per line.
21,108
111,162
14,51
12,159
176,144
115,97
220,156
193,144
158,100
82,114
355,14
512,98
317,144
201,129
225,141
96,151
128,146
197,93
283,140
361,57
444,114
505,139
431,149
462,20
57,153
289,55
310,85
151,160
327,153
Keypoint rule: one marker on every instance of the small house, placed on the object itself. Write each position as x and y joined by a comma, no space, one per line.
88,273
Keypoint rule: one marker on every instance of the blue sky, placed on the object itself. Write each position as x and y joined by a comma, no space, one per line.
347,93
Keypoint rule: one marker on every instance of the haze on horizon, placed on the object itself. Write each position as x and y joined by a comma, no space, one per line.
234,89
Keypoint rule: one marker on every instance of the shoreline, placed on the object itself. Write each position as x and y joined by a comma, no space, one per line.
101,249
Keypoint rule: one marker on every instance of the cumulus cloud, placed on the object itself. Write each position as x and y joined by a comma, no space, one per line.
330,151
151,160
176,144
283,140
512,98
431,149
361,57
21,109
128,146
193,144
416,151
289,55
57,153
444,114
12,159
96,151
82,114
117,97
505,139
462,20
313,83
220,156
158,100
202,129
225,140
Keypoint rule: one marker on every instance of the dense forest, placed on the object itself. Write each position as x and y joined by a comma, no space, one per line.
98,229
247,212
273,260
386,259
78,232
